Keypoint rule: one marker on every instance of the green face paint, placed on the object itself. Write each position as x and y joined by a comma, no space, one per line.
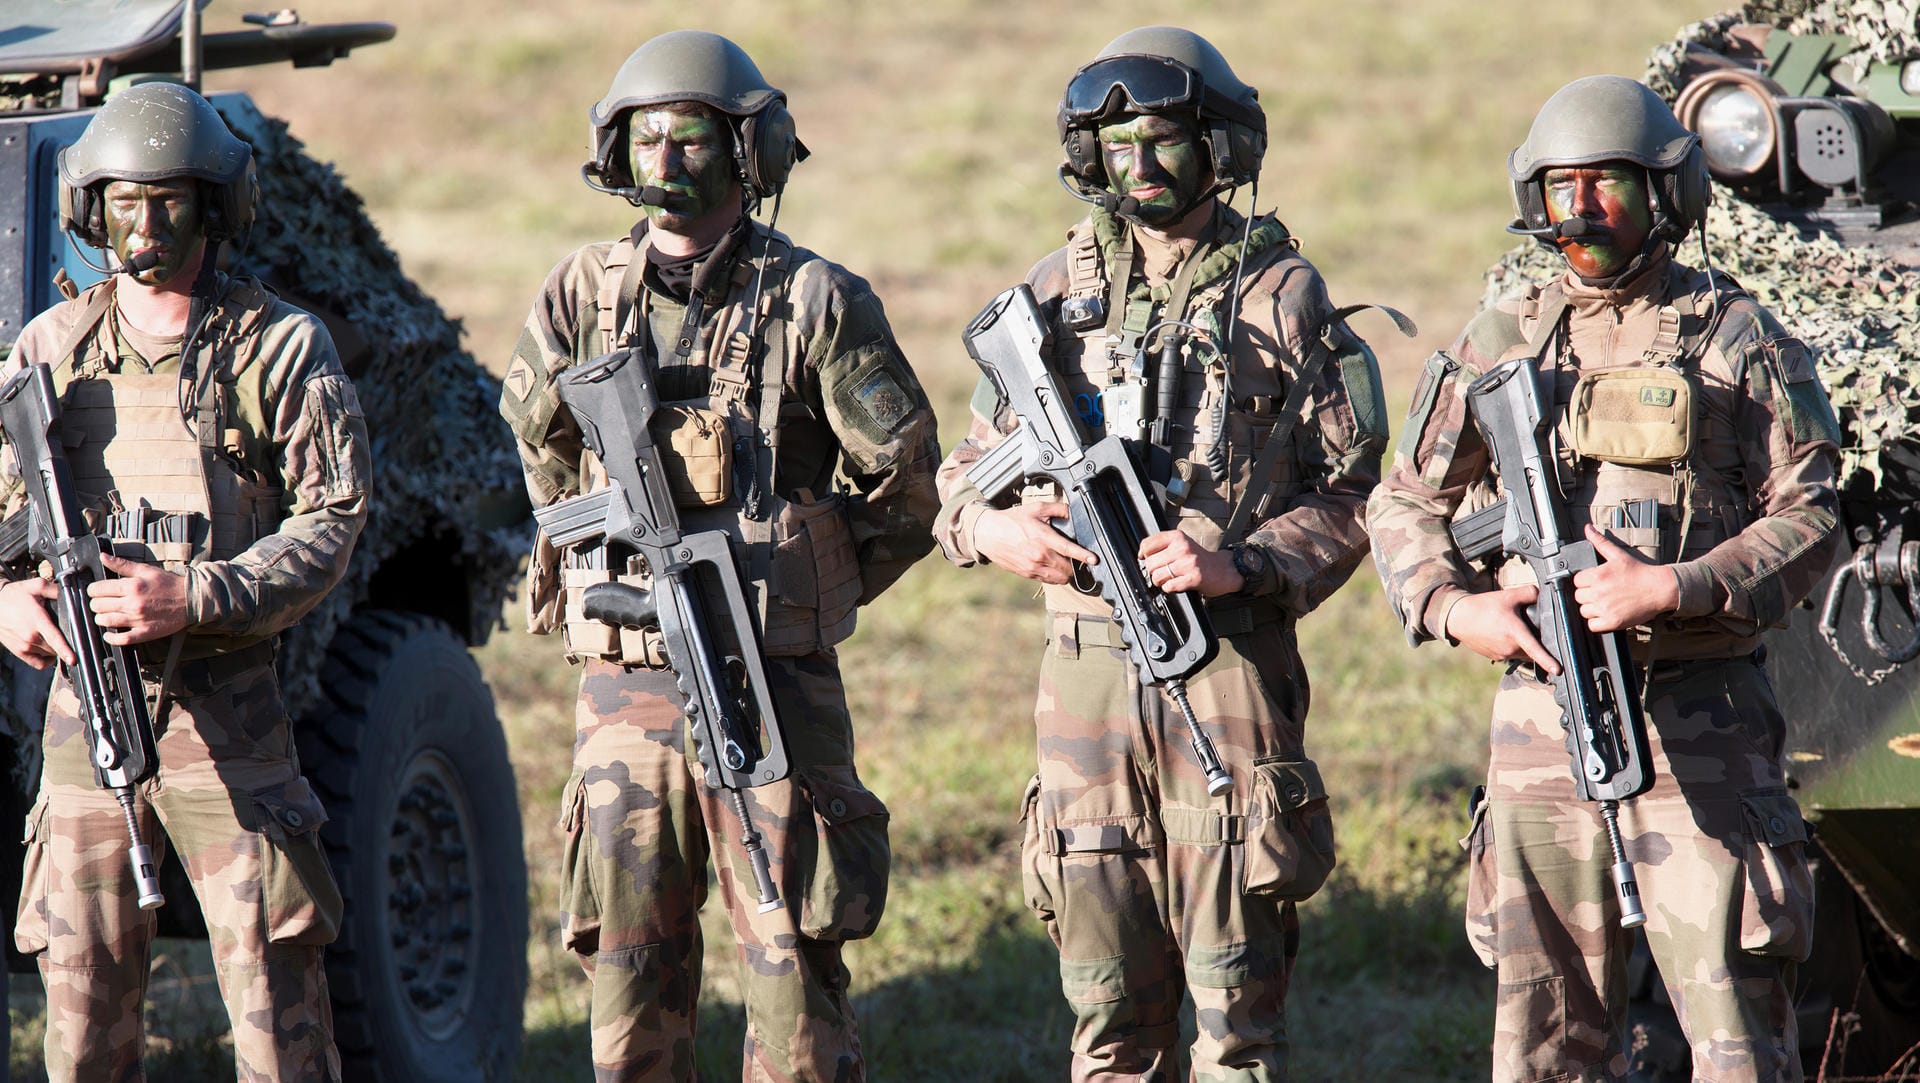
1157,161
686,151
1612,196
164,219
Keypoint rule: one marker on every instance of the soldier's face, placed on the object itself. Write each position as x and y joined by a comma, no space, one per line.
1613,196
1157,161
686,151
163,221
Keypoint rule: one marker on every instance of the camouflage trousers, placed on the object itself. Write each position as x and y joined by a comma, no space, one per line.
230,799
1149,887
641,825
1718,847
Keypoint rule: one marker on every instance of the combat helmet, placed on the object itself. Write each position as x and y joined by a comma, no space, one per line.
695,66
1163,69
1610,118
152,132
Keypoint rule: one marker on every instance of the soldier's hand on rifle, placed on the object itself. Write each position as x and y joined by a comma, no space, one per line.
1023,540
146,603
1626,590
1173,561
1494,624
27,630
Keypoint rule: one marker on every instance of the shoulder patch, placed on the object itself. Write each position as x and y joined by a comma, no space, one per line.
883,398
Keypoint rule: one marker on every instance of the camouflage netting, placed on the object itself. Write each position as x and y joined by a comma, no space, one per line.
1856,306
443,459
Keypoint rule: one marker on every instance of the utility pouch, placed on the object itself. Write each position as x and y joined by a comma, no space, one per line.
1290,850
814,582
589,638
1633,416
697,452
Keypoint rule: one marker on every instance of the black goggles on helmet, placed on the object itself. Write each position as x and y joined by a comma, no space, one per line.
1130,84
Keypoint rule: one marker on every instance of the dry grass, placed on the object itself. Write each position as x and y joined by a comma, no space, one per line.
932,175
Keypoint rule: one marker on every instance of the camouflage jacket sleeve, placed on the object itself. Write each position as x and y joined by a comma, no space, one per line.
1439,456
880,417
318,437
1789,441
548,441
1313,541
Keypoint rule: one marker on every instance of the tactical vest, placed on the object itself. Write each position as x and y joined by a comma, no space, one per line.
157,463
1217,428
1651,486
721,449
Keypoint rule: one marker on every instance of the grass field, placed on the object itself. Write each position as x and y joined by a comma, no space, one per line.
932,132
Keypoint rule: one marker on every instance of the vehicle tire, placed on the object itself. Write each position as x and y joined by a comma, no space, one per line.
429,973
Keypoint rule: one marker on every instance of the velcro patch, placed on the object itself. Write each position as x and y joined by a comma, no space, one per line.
1656,396
883,399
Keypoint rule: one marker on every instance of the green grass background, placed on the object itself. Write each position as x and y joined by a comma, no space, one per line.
932,175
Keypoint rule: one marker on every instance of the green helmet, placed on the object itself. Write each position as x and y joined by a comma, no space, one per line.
1610,118
1163,69
695,66
152,132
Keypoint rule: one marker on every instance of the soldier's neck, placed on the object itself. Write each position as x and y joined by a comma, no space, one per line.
696,236
159,311
1190,226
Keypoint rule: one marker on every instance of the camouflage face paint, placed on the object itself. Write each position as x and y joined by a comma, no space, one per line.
164,219
686,150
1614,197
1157,161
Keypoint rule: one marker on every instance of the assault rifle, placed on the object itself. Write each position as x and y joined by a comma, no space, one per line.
106,679
698,603
1109,505
1598,688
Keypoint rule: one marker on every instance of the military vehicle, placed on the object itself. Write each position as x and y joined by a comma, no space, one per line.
395,726
1809,117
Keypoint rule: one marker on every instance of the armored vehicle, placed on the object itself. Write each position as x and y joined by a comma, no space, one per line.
1809,118
395,726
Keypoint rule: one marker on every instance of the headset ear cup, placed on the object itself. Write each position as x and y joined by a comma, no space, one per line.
83,215
769,148
1082,148
1530,202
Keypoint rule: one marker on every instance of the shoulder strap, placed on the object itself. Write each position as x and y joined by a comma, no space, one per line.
94,311
620,288
1326,349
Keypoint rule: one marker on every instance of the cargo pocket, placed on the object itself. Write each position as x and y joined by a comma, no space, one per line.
814,582
30,929
1039,870
1290,848
1776,913
846,886
1483,903
579,905
301,902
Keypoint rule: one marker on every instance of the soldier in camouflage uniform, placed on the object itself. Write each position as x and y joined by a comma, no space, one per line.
778,373
212,426
1150,887
1682,408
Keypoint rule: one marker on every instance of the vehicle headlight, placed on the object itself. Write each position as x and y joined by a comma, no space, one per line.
1736,130
1735,115
1910,77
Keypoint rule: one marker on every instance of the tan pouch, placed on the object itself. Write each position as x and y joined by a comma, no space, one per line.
1633,416
697,452
589,638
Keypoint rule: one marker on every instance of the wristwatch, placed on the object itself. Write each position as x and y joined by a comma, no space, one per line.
1251,563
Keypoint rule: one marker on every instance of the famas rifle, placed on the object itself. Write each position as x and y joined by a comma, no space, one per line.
698,602
1110,507
105,678
1598,689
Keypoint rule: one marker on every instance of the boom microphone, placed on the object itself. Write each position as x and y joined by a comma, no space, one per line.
139,263
1576,228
